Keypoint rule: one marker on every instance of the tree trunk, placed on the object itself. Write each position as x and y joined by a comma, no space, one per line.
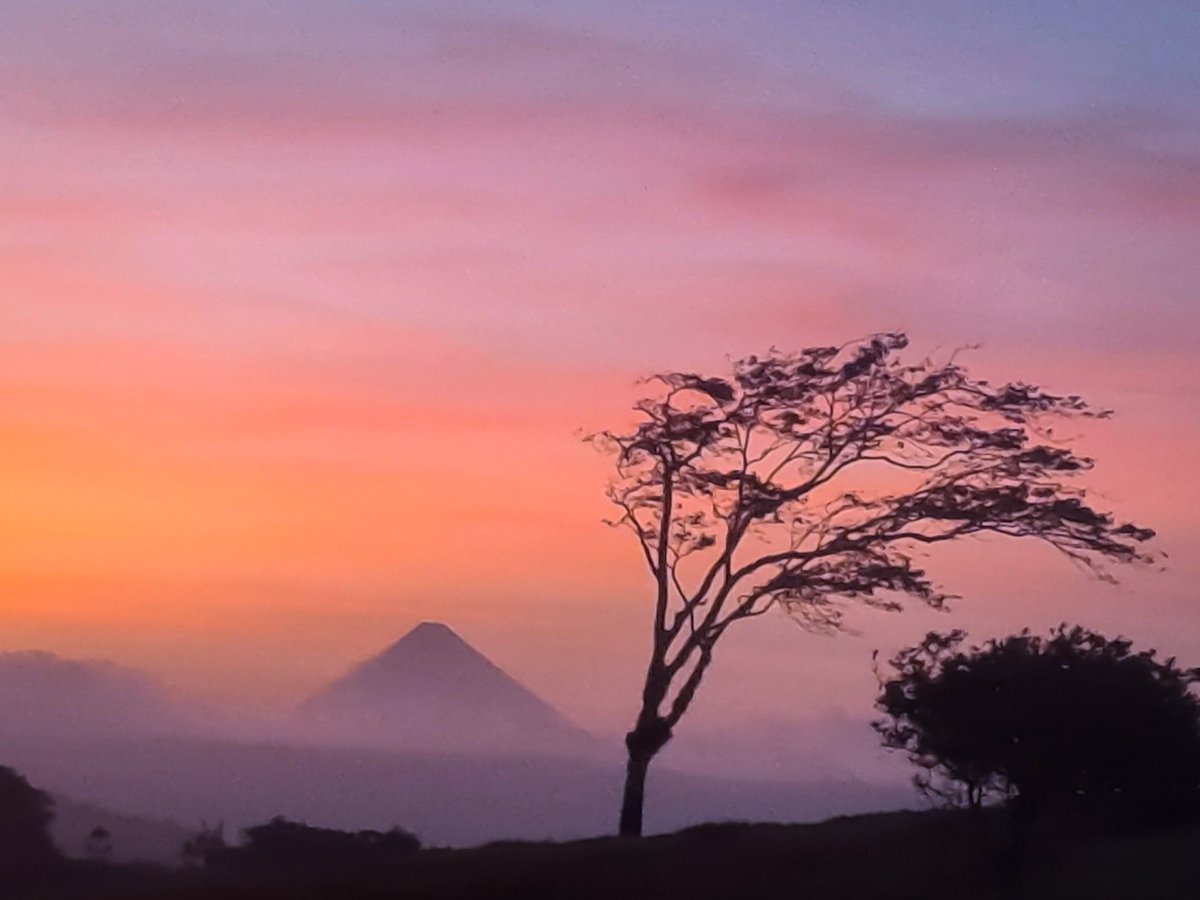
634,797
646,739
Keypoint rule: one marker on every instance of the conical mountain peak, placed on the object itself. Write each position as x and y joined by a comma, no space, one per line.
431,650
431,628
433,633
432,687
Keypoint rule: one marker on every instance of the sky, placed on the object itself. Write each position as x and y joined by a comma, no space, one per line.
304,307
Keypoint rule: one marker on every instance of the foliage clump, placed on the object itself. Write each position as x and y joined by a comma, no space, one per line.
25,816
282,842
1071,717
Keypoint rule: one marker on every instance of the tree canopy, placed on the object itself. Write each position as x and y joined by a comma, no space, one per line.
25,816
803,480
1074,716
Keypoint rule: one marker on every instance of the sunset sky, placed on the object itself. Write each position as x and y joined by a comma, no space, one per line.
305,305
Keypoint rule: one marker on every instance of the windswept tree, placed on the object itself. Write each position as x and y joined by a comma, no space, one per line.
804,480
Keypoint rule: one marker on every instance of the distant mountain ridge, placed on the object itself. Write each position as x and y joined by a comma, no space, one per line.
41,692
433,689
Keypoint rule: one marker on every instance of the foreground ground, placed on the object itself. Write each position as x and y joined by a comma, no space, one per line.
895,856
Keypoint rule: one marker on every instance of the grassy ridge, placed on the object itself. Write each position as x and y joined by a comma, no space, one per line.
898,856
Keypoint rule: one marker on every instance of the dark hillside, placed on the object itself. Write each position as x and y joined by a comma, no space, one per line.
922,856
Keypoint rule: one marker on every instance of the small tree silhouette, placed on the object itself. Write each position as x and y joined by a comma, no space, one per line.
740,492
1074,717
205,846
99,844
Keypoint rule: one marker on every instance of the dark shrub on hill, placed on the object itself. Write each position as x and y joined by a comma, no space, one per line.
281,842
1073,718
205,846
25,814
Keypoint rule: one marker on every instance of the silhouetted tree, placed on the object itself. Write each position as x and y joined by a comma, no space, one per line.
205,845
949,776
99,844
741,491
1074,717
25,816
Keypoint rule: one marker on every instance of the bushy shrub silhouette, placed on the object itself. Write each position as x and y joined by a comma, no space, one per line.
281,842
205,846
1071,718
25,815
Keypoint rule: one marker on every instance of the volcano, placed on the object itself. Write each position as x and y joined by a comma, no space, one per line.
433,690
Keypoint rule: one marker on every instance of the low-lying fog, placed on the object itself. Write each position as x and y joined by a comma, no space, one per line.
428,735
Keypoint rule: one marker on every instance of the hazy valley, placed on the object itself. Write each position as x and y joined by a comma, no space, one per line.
428,735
